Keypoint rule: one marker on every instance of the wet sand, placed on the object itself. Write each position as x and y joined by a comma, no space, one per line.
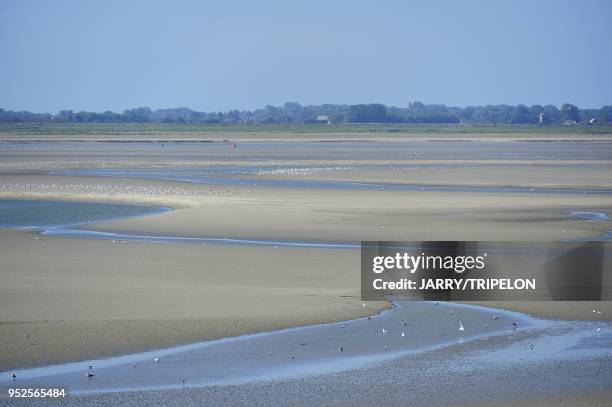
538,363
85,297
77,298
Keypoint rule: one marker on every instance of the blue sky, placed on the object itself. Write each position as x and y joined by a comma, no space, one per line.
221,55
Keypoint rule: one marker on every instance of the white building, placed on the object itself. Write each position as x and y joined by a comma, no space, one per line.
324,119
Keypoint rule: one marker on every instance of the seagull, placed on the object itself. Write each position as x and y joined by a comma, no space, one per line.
598,330
403,334
341,349
156,360
405,323
183,381
13,376
386,347
495,317
292,356
450,312
486,325
461,328
384,331
269,353
134,365
531,346
515,325
89,374
363,304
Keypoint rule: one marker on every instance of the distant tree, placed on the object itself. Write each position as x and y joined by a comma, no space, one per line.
292,112
551,114
570,112
140,114
605,114
372,113
65,116
522,115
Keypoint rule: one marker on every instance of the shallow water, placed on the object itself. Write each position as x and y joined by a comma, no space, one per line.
295,352
43,214
588,215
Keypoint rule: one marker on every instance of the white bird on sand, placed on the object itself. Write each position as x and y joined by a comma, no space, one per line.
598,330
156,360
89,374
403,334
495,317
461,328
384,331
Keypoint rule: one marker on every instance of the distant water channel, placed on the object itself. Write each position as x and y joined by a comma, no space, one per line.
43,214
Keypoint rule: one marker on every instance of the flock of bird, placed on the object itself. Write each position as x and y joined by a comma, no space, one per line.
89,373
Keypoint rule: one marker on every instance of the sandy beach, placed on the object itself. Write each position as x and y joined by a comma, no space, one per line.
69,299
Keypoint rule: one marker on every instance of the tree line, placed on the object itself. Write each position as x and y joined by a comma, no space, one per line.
295,113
